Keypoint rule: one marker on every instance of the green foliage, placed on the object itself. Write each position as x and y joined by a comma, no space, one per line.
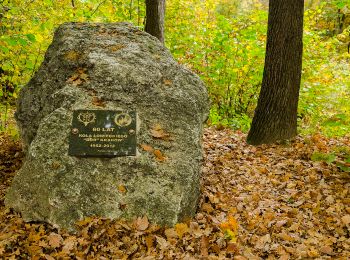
227,51
26,30
343,152
325,89
7,123
218,39
340,157
325,157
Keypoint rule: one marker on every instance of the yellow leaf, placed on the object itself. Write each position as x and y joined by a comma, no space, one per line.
181,229
150,242
34,250
231,235
84,221
230,228
34,236
313,252
122,189
230,224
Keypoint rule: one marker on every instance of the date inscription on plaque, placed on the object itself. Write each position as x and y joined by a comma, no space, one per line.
103,133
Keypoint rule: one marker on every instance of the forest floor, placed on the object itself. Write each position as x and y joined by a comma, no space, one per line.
265,202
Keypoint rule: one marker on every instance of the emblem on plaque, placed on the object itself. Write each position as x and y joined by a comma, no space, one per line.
123,119
87,118
103,133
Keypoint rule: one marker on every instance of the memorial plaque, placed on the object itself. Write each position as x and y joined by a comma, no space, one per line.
103,133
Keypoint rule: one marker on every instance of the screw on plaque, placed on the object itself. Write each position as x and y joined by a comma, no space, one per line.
131,131
75,131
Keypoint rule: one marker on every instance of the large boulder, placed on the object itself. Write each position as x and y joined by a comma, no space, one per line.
110,67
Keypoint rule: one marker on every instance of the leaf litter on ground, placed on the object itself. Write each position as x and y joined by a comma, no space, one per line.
265,202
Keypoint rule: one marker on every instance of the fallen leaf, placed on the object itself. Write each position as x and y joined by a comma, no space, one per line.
163,244
204,246
69,244
231,224
98,102
281,223
170,233
167,82
206,207
181,229
216,249
121,188
84,76
84,221
285,237
262,241
146,147
346,219
232,248
132,249
48,257
141,224
34,250
326,250
34,236
43,244
158,133
55,240
116,47
73,78
313,252
79,77
159,156
72,55
150,242
77,82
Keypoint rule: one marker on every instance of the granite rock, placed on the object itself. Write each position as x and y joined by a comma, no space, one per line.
109,67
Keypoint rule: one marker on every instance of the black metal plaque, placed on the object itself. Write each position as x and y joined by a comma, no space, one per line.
103,133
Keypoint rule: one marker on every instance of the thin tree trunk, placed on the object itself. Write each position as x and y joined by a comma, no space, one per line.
155,12
276,114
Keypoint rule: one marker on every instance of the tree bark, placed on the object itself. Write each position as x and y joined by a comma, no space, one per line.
155,13
276,113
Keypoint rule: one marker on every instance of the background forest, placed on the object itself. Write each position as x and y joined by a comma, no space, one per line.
223,41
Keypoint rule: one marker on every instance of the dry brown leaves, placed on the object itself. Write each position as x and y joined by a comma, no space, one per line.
266,202
158,132
286,205
159,156
79,77
11,156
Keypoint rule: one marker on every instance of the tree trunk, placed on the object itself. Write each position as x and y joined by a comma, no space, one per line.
155,12
276,113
